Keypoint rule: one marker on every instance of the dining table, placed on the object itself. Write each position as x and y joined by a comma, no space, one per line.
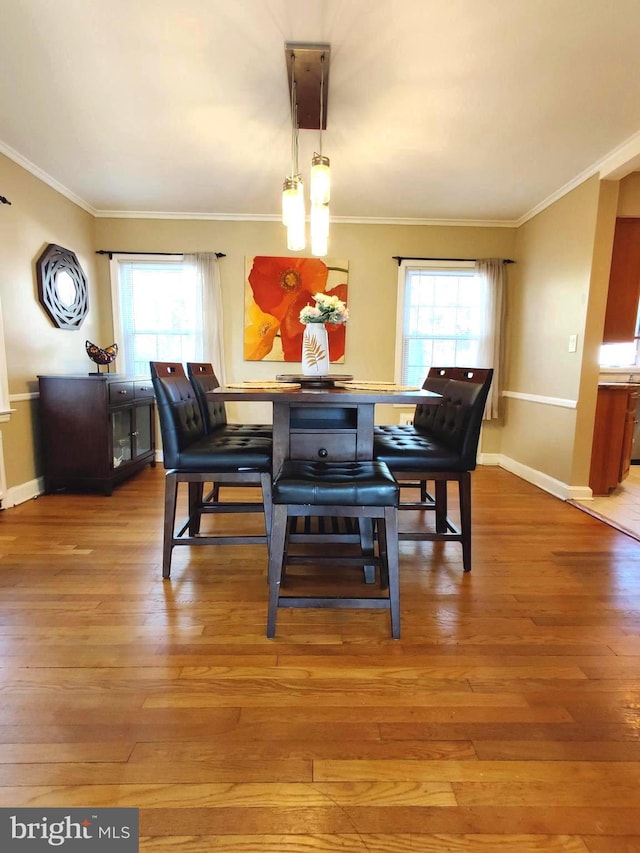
330,418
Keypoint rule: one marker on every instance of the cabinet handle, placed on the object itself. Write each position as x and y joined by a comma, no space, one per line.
135,433
122,392
323,453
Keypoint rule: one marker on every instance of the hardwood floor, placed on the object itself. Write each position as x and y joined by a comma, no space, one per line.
507,718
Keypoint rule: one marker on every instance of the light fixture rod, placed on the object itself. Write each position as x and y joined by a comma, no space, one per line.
321,102
294,121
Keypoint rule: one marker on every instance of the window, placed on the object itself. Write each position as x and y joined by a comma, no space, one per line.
155,310
619,355
622,355
440,316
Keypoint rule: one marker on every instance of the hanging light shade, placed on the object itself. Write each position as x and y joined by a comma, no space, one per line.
289,194
319,229
320,183
292,199
295,215
296,239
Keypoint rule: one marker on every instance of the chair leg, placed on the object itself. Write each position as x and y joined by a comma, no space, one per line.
441,506
365,527
196,491
265,482
464,486
276,559
381,531
392,566
170,499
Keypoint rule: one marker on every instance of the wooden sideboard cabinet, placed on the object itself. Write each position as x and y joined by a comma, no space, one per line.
97,430
612,437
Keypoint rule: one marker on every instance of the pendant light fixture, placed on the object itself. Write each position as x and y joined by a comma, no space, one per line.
319,229
293,214
320,183
307,67
320,187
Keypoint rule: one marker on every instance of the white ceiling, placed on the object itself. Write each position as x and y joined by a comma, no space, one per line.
438,109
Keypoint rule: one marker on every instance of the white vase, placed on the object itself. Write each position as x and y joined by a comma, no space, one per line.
315,350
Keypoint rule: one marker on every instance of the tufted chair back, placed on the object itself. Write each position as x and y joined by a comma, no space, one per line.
440,446
204,379
178,411
456,422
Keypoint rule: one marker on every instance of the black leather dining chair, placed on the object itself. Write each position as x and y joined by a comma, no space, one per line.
355,490
195,457
440,445
214,413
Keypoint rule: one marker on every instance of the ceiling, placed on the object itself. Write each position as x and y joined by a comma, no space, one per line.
466,110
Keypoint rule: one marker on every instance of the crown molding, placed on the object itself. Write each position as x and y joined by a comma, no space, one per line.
45,178
616,164
173,214
622,160
273,217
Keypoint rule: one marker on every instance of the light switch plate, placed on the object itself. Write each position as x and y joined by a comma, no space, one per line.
573,343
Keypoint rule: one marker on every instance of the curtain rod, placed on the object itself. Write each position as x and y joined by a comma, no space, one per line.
112,252
456,260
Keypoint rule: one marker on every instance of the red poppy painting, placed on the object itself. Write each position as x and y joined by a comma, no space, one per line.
276,290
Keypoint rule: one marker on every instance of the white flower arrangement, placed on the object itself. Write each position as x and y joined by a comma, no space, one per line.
328,309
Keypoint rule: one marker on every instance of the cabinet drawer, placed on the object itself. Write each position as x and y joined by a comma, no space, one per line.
315,446
143,389
120,393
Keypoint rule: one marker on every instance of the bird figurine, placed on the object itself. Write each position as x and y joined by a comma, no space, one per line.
101,356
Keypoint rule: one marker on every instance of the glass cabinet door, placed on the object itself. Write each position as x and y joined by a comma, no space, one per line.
121,436
143,431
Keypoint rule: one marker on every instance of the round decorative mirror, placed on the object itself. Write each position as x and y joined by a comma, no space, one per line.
62,287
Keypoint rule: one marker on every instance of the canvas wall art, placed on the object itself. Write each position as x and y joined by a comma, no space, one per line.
276,290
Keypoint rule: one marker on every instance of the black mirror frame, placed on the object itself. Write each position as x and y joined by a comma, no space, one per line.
53,260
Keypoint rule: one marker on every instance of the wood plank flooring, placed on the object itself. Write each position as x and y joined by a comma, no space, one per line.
507,718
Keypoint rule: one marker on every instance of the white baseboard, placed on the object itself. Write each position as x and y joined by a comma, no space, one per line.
489,459
544,481
22,493
28,491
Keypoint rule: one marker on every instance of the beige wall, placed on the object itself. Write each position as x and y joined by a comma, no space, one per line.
38,215
555,289
594,325
629,200
373,276
548,298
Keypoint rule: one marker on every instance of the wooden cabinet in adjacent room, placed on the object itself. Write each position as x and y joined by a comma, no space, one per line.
96,429
612,437
624,283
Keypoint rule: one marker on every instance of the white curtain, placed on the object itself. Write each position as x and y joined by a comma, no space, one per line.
493,280
204,267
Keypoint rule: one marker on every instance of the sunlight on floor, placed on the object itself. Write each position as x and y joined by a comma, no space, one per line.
622,508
